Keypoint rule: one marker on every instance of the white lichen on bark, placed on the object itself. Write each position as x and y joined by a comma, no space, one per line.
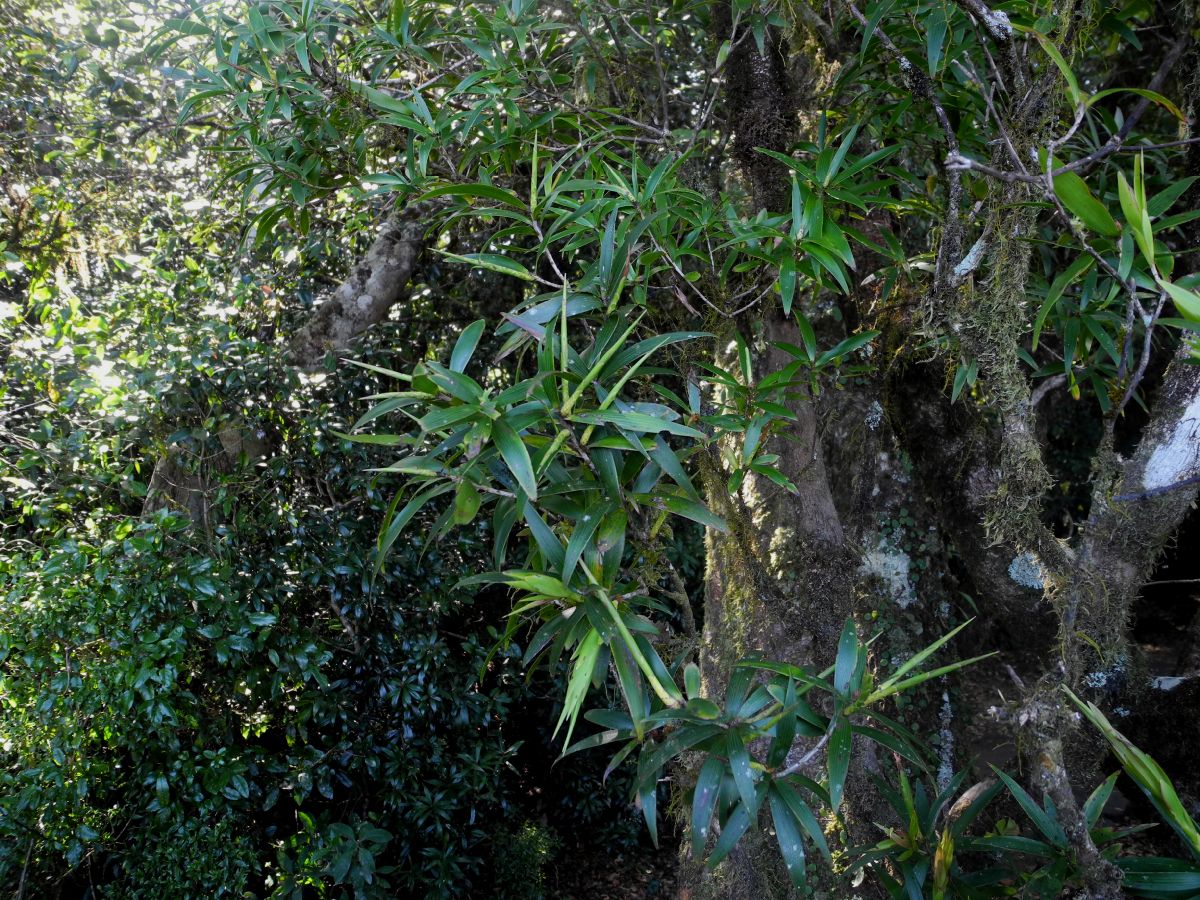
1026,570
1176,458
890,565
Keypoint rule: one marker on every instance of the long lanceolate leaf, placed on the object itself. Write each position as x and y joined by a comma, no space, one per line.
1148,774
395,523
516,456
1045,823
581,677
704,799
787,833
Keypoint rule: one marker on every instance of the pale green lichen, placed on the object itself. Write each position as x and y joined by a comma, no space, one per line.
890,566
1026,570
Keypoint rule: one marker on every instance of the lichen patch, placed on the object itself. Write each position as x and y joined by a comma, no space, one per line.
1178,457
890,565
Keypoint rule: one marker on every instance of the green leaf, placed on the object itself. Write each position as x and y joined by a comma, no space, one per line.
642,423
743,773
384,440
1095,802
581,677
936,26
581,536
1081,265
840,742
1040,818
668,461
847,657
785,728
478,191
1152,96
515,455
1148,876
466,503
547,541
900,747
787,282
1187,302
791,846
896,687
846,347
493,262
1137,217
465,346
881,11
631,687
1076,196
731,832
379,370
803,814
647,799
1148,774
1057,58
919,657
690,509
394,524
704,800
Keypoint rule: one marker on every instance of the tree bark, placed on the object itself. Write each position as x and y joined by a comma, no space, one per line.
375,285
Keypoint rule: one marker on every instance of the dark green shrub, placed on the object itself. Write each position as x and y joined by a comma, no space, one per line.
520,856
154,673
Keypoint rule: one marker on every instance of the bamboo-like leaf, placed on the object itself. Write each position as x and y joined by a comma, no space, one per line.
1057,58
515,455
493,262
743,773
1187,302
1078,198
1152,96
787,833
731,832
465,346
466,502
581,677
785,728
395,524
690,509
1080,266
1148,774
474,191
631,687
647,800
1040,818
920,656
1096,800
895,687
847,657
379,370
691,680
838,758
582,535
803,814
704,800
1137,217
642,423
